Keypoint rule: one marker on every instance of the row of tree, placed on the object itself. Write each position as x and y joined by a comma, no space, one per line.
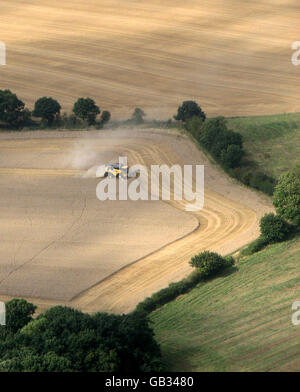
14,113
224,145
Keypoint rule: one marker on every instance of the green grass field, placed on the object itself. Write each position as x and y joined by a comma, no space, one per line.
238,322
273,142
242,321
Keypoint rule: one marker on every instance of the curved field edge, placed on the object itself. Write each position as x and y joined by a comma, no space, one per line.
181,223
238,322
82,294
225,225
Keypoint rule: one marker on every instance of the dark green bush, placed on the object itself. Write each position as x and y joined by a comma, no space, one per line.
189,109
169,293
212,131
225,146
208,264
287,196
229,261
193,126
262,182
274,228
232,156
105,117
255,179
242,174
71,121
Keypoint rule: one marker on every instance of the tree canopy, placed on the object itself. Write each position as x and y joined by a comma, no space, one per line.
138,116
210,263
65,339
47,108
274,228
86,109
189,109
225,145
286,198
12,109
105,117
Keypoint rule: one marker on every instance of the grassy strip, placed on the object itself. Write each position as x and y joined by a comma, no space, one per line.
272,142
238,322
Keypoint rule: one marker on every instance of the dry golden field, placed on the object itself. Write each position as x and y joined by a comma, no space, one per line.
60,244
57,238
232,56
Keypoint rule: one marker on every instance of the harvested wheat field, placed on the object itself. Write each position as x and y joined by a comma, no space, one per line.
60,244
154,54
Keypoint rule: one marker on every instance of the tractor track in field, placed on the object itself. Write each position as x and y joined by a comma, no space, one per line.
220,223
228,220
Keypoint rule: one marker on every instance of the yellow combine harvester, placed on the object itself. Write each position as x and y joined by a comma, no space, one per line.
116,170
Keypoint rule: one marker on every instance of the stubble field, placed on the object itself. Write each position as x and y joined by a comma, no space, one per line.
62,245
233,57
